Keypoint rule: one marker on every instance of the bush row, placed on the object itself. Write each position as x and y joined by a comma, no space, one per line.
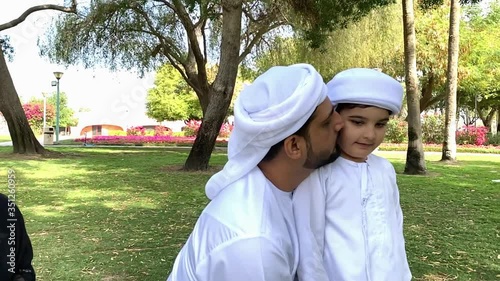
433,132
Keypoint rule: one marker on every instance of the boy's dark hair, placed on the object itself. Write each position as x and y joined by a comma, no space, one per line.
342,106
303,132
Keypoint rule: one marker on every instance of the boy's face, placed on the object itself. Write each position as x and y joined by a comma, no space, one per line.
364,130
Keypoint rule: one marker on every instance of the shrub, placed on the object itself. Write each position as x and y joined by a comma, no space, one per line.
472,135
117,133
136,131
396,131
191,128
493,139
162,131
433,128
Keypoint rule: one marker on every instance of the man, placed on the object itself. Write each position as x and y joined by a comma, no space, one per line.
285,127
16,252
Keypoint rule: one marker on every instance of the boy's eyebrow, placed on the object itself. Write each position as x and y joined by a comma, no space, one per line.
364,118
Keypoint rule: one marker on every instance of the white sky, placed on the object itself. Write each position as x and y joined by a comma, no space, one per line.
97,89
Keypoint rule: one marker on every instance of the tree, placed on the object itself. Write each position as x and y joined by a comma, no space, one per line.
449,152
479,87
415,160
23,139
173,99
188,34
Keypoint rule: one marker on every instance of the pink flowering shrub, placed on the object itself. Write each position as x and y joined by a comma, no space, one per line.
472,135
34,114
142,140
162,131
225,130
191,128
136,131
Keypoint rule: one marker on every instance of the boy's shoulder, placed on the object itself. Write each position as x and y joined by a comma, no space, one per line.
379,161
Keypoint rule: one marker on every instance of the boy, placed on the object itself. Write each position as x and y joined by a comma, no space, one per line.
350,223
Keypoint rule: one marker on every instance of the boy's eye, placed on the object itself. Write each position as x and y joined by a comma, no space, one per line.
381,125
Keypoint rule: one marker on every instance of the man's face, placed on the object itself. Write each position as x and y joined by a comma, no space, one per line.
322,136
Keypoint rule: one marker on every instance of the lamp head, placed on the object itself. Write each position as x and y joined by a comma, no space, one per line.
58,74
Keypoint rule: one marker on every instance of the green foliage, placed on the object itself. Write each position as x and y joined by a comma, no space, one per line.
321,16
493,139
370,42
480,65
433,128
397,131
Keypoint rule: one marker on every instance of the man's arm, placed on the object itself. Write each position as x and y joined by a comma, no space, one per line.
246,259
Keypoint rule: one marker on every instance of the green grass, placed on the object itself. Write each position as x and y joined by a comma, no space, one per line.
123,214
4,138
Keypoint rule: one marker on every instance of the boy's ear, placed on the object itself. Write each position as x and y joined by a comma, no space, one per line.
295,147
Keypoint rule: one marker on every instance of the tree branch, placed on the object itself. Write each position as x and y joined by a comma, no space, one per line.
256,39
33,9
192,38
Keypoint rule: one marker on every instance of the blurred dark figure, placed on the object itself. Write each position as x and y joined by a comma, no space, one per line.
16,252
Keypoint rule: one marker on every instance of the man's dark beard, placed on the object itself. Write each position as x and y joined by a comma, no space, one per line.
314,162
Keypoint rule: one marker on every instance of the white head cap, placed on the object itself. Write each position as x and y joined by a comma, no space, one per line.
366,86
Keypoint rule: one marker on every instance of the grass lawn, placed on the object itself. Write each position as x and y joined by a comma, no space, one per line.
4,138
123,214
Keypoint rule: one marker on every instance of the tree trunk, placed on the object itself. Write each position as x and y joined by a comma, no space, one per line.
415,160
493,121
221,90
23,139
427,89
449,152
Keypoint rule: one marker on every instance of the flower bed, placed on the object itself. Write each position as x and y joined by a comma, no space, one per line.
144,140
438,148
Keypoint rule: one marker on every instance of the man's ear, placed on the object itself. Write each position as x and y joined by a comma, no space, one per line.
295,147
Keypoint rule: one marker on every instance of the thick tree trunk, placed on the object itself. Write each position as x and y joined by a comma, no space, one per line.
221,90
449,152
23,139
415,160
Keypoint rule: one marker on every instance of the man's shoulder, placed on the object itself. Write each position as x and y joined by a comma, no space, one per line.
243,206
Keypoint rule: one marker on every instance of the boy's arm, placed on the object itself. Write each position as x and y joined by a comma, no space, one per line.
399,219
309,212
250,259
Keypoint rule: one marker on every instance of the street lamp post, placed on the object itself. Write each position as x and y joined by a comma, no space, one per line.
477,99
44,110
58,76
